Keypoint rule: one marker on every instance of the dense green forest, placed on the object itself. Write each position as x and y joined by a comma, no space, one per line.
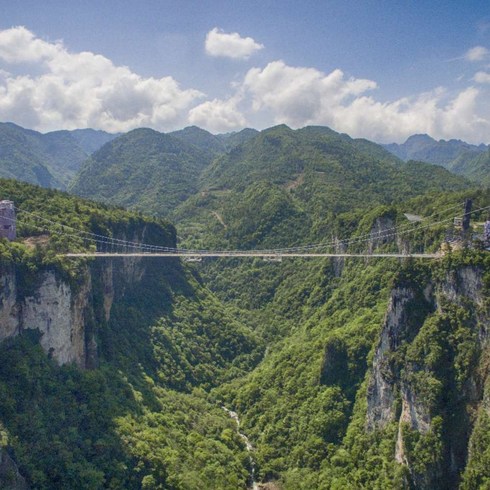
472,161
304,350
143,169
141,419
49,160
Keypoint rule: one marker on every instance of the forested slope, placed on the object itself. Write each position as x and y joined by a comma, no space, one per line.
144,170
457,156
376,373
346,373
48,160
153,337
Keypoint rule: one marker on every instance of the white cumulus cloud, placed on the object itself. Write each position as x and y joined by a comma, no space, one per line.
60,89
482,77
19,45
301,96
478,53
218,115
230,45
44,86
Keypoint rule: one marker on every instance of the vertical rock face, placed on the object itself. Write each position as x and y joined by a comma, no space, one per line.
63,313
381,232
381,389
10,478
59,315
407,358
108,286
52,308
338,262
464,283
66,314
9,307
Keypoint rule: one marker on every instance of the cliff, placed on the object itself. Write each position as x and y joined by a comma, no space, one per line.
429,372
10,478
65,311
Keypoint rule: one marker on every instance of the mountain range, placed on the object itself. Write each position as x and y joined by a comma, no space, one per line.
347,373
55,159
49,160
459,157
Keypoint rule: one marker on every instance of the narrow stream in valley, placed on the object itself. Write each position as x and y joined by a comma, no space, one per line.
248,445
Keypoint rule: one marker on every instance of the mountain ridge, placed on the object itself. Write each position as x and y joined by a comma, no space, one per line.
50,159
145,169
456,155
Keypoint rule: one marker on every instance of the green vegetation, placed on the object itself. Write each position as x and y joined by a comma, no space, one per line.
48,160
457,156
476,168
290,346
142,169
141,419
210,144
286,188
305,405
40,241
91,429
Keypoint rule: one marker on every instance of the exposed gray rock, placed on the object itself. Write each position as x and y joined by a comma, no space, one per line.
59,316
338,262
10,478
62,313
108,285
381,389
9,307
390,387
465,283
381,232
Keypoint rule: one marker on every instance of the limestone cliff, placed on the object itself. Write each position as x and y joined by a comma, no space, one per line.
51,306
65,311
10,478
428,372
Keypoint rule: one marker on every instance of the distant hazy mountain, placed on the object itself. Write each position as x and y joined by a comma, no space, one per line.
200,138
49,160
143,169
91,139
230,140
455,155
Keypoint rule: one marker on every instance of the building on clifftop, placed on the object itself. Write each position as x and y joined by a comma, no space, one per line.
7,220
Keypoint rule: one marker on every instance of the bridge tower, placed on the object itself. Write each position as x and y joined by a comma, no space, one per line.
7,220
486,233
465,224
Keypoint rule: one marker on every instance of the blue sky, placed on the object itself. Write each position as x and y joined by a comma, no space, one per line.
376,69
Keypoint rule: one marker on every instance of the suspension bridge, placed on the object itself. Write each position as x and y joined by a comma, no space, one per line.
105,246
263,255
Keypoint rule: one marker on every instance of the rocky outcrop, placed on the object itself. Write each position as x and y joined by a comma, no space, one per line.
59,315
52,307
382,231
382,387
10,478
395,393
9,306
463,284
64,313
339,247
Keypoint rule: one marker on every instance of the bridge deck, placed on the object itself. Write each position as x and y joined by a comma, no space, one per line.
266,255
